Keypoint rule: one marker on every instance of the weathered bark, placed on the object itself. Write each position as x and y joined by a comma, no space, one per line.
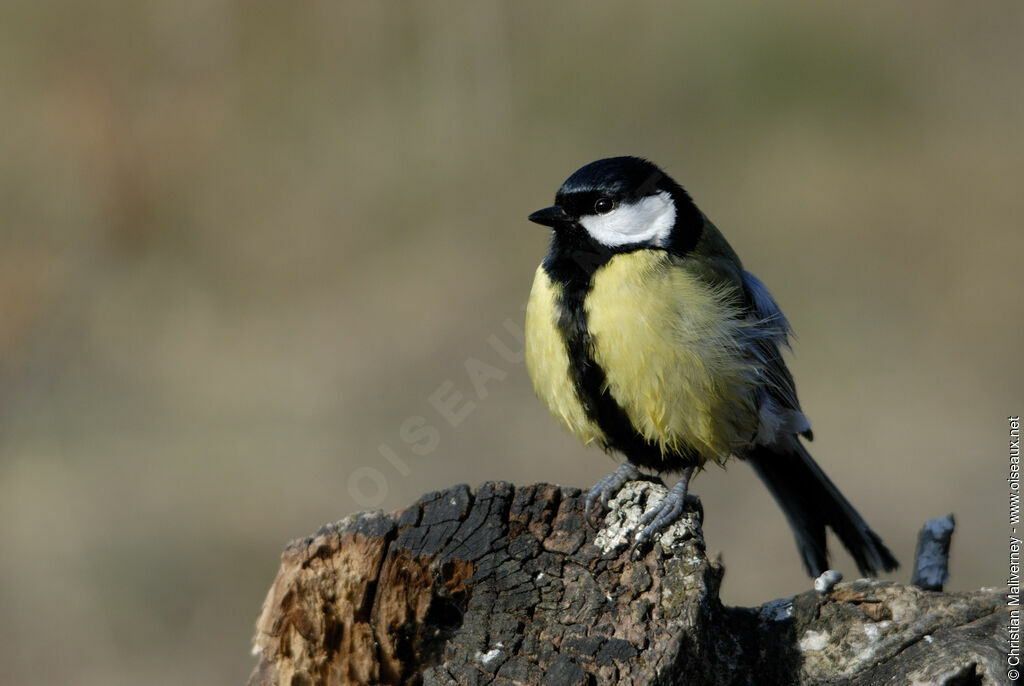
511,586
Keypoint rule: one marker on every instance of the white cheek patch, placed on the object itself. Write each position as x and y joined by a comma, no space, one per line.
650,219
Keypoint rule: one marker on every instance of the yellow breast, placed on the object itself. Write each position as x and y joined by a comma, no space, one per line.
548,361
668,343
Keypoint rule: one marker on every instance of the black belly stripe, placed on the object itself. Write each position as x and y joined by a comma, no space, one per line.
574,275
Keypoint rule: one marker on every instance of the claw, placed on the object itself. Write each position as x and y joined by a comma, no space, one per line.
605,489
662,515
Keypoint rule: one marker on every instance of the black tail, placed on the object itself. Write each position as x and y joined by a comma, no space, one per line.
811,502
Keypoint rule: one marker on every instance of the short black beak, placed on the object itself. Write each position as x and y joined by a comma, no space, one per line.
553,216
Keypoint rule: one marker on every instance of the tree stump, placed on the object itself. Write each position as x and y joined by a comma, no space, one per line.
511,585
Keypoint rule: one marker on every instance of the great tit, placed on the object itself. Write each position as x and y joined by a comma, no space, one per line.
645,336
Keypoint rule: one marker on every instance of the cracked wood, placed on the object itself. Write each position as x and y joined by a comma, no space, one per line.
510,585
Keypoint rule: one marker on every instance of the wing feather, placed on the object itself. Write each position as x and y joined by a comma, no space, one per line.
778,406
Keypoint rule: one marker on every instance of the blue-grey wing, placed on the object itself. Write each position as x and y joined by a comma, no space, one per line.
778,407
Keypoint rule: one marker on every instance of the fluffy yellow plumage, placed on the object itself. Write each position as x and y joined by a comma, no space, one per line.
548,360
667,342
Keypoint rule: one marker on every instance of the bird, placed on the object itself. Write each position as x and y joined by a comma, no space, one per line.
646,337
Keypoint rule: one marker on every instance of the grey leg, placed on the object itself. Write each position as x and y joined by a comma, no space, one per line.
605,489
667,511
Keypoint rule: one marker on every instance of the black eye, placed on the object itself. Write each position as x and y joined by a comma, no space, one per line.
604,205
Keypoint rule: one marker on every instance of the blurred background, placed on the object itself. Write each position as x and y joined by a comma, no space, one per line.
248,250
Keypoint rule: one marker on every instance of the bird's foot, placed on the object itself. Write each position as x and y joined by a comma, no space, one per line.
665,513
605,489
